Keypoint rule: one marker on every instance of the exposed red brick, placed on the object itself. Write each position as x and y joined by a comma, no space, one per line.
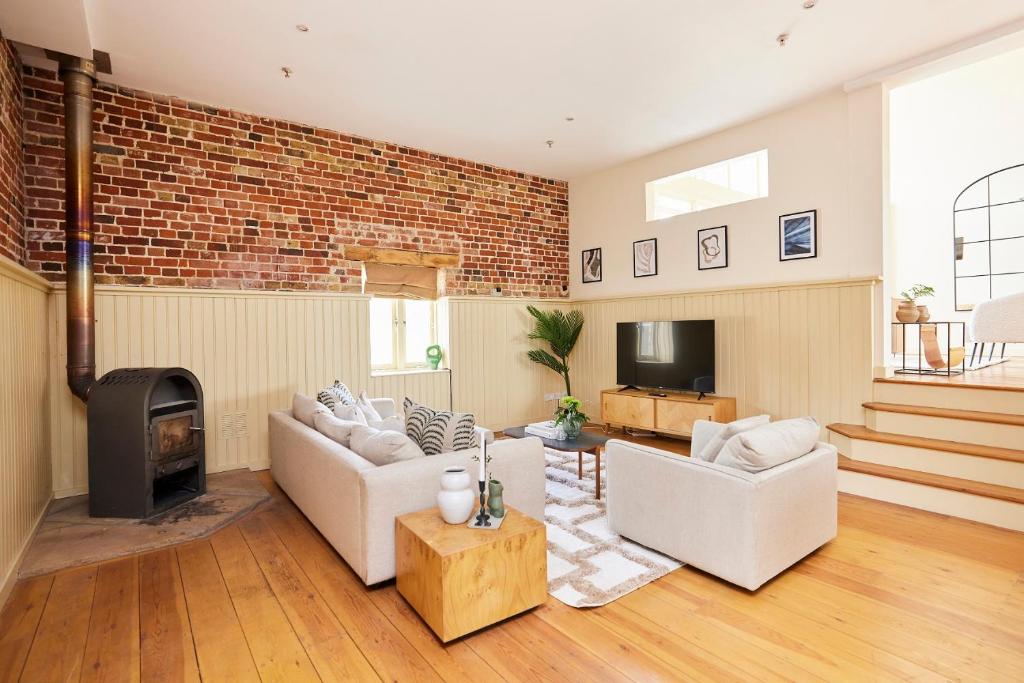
193,195
12,193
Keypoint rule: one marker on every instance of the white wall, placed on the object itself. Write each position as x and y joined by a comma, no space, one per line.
947,131
824,154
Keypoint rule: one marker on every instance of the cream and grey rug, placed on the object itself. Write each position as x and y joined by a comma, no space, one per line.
588,564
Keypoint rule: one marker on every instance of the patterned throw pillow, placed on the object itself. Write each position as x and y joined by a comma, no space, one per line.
439,431
335,395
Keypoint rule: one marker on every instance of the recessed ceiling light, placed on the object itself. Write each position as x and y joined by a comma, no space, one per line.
302,28
286,71
809,4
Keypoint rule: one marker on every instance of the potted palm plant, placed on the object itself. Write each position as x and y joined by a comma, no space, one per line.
561,331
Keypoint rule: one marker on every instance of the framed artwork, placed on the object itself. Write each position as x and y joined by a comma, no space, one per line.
798,235
645,258
713,248
591,265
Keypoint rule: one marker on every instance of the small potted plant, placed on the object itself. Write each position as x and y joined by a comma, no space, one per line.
907,311
570,417
922,292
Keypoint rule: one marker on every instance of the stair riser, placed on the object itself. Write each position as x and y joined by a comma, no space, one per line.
947,429
985,510
1011,402
987,470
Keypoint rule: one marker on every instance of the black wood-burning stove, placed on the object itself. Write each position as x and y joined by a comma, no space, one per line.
146,441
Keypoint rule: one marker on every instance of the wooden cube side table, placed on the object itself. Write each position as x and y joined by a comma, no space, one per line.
460,579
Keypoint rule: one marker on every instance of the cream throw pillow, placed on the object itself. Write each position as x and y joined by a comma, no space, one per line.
395,423
350,414
304,409
334,428
369,412
711,449
383,448
770,445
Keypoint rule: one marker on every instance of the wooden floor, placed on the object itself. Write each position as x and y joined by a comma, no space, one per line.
901,594
1008,376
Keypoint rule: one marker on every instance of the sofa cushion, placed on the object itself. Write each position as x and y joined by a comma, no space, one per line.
711,450
383,447
335,395
304,409
439,431
334,428
769,445
364,404
395,423
350,413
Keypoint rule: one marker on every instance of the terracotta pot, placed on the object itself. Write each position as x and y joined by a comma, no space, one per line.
924,315
907,312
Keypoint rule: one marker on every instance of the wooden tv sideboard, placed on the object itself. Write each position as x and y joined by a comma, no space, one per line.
672,414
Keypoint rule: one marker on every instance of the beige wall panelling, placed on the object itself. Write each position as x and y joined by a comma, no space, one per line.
252,350
786,350
24,440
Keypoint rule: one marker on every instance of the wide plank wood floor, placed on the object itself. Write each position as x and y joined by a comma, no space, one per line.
900,595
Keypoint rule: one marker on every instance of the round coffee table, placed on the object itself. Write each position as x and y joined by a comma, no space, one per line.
586,442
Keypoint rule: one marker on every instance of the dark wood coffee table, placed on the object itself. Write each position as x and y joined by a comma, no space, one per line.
586,442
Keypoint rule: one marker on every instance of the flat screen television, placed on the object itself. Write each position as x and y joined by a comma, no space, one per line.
677,355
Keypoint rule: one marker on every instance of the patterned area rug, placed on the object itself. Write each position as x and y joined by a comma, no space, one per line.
588,564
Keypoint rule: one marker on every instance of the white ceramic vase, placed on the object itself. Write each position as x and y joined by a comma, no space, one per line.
456,498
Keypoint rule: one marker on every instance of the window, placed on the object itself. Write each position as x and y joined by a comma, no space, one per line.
400,332
726,182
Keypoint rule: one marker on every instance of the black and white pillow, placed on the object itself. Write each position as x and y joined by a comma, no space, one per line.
335,395
439,431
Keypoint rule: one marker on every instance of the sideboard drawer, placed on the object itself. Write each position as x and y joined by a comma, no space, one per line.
632,411
678,417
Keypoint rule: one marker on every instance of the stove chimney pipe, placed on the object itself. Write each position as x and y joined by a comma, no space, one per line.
79,76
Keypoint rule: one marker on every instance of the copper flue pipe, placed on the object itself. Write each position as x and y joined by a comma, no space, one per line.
79,76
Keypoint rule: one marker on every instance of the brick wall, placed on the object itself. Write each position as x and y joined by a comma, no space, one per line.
196,196
12,195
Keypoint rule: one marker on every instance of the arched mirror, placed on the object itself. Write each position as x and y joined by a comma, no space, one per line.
988,238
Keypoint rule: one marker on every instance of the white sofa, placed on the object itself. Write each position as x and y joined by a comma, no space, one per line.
354,503
742,527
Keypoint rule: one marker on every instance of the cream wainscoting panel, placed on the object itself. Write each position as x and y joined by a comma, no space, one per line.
487,348
785,350
24,441
252,350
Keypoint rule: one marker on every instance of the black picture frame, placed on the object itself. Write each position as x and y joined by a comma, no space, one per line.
796,252
724,247
655,258
583,265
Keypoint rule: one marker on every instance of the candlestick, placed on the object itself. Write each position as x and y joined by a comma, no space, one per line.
483,460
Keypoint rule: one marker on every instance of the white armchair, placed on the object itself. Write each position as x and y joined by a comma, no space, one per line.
742,527
998,321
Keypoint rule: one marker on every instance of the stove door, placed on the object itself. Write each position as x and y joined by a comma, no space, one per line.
175,436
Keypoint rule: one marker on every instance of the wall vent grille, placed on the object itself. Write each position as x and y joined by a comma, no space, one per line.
233,425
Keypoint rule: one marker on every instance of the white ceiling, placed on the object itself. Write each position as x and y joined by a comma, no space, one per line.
491,82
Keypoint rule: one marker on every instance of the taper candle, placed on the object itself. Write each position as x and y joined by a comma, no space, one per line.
483,460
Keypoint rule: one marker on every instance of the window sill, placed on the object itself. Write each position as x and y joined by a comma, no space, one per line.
412,371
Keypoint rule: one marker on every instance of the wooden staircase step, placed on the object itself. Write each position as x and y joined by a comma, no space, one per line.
975,488
1012,380
863,433
948,413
